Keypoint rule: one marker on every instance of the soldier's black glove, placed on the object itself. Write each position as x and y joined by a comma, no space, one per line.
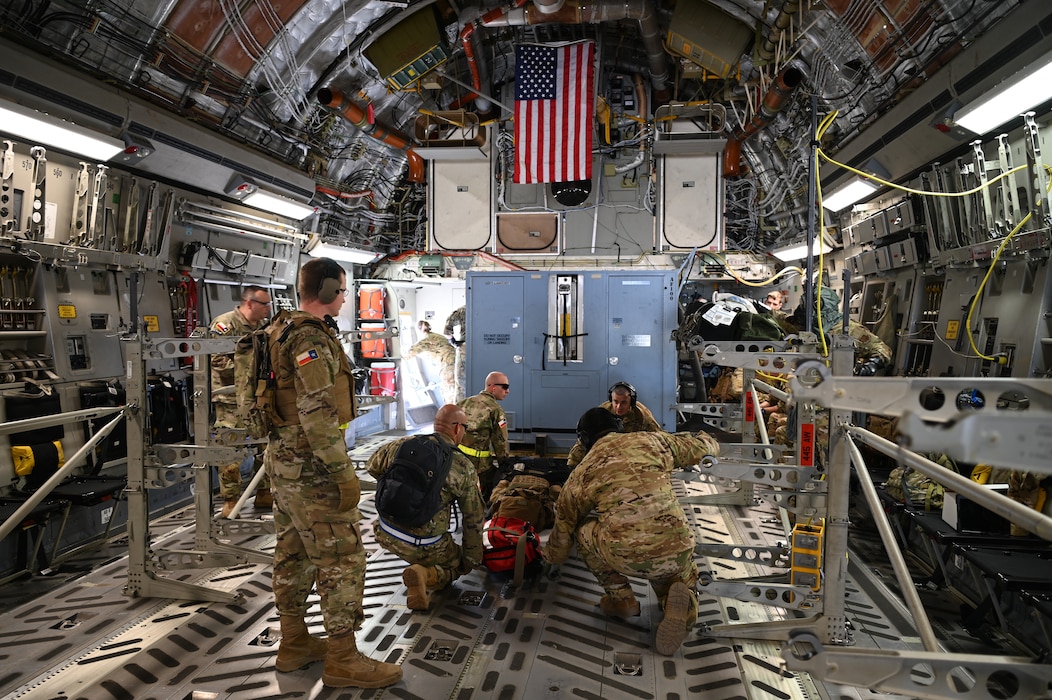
870,367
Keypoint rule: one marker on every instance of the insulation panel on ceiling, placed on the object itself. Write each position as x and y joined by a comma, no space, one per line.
235,37
460,204
692,202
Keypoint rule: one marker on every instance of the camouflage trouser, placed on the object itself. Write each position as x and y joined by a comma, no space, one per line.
461,372
445,554
1025,488
612,562
317,544
449,384
230,474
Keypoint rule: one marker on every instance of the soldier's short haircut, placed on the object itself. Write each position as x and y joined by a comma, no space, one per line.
251,290
313,273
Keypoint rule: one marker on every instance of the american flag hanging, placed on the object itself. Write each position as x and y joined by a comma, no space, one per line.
554,110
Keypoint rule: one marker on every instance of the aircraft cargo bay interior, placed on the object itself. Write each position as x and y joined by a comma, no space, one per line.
537,349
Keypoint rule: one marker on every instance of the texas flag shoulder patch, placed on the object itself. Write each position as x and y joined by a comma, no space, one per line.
221,328
503,422
306,357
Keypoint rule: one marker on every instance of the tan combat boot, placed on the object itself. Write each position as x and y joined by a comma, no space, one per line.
297,647
418,579
681,612
619,606
346,667
264,499
228,507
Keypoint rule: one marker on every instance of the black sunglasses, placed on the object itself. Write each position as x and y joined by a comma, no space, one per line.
503,386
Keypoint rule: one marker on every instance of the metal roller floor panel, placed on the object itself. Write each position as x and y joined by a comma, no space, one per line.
83,639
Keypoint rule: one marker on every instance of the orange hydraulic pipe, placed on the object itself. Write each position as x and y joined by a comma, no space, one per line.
469,55
783,87
357,116
343,195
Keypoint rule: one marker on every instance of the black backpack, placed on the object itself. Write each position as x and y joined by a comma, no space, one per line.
409,493
169,417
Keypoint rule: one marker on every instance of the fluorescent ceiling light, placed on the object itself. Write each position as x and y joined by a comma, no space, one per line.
339,253
1011,97
798,251
846,195
35,127
248,193
278,205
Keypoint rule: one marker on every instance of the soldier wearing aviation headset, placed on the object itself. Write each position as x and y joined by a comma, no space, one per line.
623,403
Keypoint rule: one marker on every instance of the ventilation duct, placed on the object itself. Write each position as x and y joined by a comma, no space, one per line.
781,90
359,118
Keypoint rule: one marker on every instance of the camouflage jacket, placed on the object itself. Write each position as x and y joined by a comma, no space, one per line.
867,344
434,346
313,356
231,323
487,426
626,479
461,486
638,420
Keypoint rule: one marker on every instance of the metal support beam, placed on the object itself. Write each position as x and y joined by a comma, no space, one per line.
894,396
920,674
1009,200
1028,518
986,210
142,562
830,621
1011,439
891,547
1037,180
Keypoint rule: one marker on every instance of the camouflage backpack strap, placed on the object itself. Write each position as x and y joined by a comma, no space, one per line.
283,398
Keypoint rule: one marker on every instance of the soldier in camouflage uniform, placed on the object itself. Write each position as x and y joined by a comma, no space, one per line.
456,331
249,315
639,528
435,559
871,355
316,490
487,435
635,417
437,349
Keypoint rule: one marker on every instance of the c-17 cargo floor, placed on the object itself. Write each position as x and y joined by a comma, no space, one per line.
481,639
